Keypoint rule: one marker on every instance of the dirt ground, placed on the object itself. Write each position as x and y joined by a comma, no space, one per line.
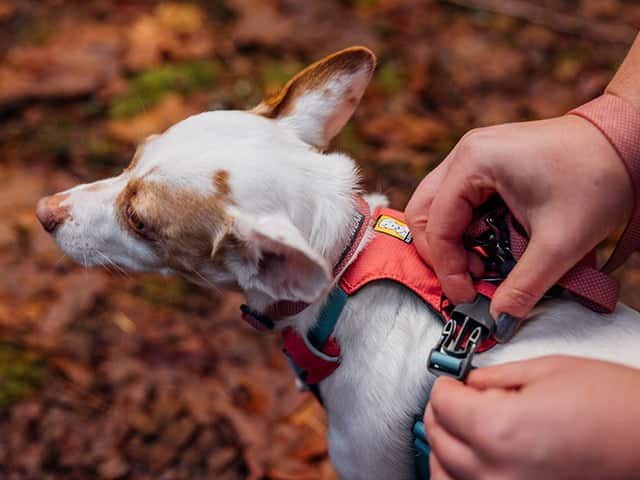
116,376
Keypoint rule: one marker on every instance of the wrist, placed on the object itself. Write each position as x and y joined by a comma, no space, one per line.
619,121
602,163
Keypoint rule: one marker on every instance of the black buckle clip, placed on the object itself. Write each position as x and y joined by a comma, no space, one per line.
470,324
496,242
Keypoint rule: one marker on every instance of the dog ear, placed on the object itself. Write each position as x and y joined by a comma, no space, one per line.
319,100
280,261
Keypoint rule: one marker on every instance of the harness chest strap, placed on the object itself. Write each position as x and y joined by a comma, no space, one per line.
390,256
317,356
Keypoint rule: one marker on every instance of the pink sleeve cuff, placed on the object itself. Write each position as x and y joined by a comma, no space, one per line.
619,121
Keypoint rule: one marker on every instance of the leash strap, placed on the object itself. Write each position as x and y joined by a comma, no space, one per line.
619,121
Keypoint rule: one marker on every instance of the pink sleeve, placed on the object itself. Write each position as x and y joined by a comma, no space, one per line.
619,121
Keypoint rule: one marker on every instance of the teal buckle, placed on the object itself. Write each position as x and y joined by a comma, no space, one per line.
422,451
453,354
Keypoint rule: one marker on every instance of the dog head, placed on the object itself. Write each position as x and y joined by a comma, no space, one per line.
224,197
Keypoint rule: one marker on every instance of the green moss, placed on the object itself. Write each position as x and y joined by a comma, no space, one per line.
21,373
149,86
274,75
383,28
103,153
164,291
54,137
350,141
391,78
37,31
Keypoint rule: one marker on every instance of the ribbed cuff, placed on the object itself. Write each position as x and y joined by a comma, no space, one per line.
619,121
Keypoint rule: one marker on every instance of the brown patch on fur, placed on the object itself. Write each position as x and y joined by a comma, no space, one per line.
185,229
349,60
221,184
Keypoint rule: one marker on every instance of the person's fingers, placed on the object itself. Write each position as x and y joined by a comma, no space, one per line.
514,375
437,471
542,264
450,215
460,410
417,210
476,265
453,455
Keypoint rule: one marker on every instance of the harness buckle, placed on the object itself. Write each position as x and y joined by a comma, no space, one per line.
470,324
496,243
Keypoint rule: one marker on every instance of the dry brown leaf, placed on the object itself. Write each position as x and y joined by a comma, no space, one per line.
174,31
404,129
79,60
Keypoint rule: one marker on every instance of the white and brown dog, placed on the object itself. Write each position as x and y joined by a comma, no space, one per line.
249,200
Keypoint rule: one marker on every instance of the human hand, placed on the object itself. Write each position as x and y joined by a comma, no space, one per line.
562,180
554,417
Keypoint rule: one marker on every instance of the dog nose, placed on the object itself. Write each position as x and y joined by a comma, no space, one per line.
49,212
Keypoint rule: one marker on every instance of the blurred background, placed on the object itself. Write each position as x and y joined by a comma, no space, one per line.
115,376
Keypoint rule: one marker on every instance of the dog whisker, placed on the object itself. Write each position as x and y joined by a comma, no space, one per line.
85,264
207,282
113,266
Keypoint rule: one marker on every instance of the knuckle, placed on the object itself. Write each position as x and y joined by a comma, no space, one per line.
476,144
518,300
500,433
477,424
556,244
413,210
433,237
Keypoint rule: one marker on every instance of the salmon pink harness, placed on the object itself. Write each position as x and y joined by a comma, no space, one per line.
389,255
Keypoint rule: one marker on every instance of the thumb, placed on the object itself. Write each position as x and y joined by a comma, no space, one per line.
542,264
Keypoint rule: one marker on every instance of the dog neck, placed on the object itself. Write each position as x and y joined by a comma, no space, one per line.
324,211
325,206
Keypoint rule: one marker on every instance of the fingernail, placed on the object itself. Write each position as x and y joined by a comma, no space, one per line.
506,327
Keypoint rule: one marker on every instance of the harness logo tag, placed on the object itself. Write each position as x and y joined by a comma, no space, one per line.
394,227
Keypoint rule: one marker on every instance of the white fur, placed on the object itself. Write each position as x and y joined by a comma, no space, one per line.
290,198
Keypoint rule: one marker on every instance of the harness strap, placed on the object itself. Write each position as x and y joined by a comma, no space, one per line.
594,289
317,355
